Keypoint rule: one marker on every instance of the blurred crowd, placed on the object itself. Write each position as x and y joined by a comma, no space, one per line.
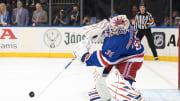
36,13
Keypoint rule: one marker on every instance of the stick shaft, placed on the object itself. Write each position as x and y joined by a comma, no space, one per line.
50,83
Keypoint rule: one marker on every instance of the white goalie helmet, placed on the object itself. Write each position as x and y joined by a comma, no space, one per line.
119,24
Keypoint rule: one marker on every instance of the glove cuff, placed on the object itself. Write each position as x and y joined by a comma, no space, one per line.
85,57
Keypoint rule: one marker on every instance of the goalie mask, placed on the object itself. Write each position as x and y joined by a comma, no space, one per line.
119,25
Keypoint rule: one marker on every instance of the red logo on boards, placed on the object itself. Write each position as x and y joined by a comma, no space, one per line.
7,34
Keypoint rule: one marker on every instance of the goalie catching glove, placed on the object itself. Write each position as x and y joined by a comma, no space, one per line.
95,31
93,34
81,50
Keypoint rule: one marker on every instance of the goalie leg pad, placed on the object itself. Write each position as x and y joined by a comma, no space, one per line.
120,89
113,87
93,94
101,92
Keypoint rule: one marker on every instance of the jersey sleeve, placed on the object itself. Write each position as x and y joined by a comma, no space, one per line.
151,21
95,59
107,56
136,23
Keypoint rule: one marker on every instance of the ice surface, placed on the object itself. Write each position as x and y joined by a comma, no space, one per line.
18,76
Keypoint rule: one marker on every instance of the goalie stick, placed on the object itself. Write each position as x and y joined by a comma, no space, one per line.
94,31
55,78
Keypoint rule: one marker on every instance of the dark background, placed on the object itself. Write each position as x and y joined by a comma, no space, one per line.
102,8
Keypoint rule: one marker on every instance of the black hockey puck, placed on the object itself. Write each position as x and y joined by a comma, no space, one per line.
31,94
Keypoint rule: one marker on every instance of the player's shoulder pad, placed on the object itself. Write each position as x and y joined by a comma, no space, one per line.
138,13
148,13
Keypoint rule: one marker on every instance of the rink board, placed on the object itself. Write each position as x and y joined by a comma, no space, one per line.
59,42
